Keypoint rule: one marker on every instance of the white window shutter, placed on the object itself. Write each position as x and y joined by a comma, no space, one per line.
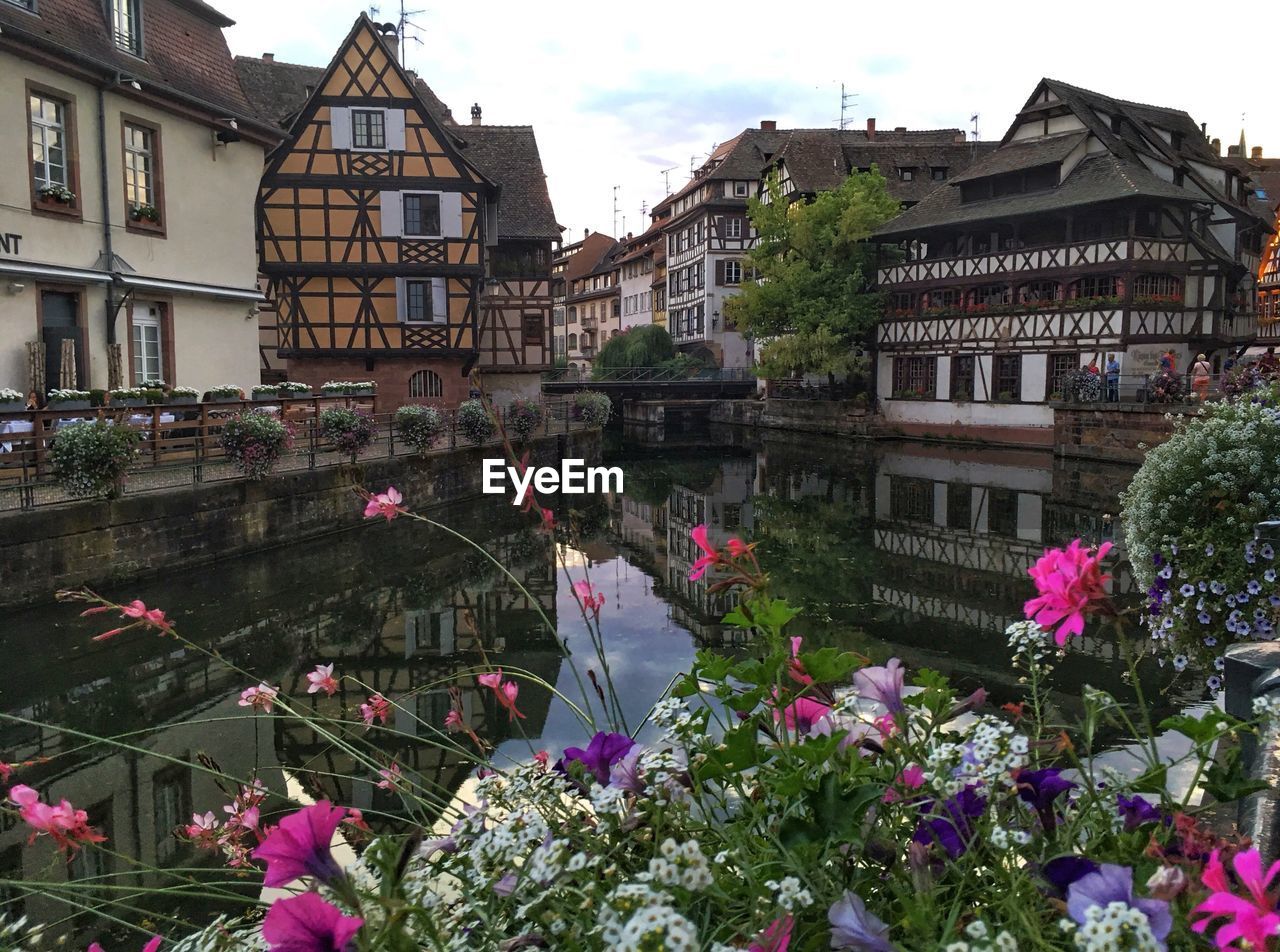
340,126
440,300
451,214
402,301
394,125
392,205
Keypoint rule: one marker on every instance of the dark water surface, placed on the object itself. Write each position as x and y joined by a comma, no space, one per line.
918,551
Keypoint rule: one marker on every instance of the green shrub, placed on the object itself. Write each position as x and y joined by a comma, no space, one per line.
350,431
90,459
592,408
419,426
523,417
474,421
254,441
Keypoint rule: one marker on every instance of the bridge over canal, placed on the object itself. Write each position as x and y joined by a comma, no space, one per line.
656,383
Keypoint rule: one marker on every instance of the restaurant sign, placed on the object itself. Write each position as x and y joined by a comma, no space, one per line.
10,244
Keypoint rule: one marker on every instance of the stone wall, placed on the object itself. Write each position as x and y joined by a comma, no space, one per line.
835,417
111,541
1112,434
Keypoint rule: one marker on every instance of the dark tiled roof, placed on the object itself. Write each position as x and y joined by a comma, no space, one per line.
740,159
184,50
276,91
508,155
1098,178
1050,150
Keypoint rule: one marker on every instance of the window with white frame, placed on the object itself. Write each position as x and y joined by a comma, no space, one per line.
422,214
733,228
148,344
733,272
740,189
368,129
424,300
127,25
49,142
139,166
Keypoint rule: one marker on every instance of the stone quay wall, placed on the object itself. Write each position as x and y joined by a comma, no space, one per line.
835,417
1116,434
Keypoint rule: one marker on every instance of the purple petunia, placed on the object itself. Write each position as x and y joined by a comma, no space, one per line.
853,927
1041,788
1110,884
952,828
883,684
299,846
604,750
1061,871
1136,811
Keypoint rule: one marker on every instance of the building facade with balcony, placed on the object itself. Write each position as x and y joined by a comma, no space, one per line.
126,222
592,305
1098,227
635,263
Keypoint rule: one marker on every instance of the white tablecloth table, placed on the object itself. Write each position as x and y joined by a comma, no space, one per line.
13,427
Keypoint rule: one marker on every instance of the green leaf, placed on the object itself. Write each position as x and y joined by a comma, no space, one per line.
1153,781
837,811
828,665
1227,780
1200,730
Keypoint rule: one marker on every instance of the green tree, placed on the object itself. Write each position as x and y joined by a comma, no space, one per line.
648,345
817,274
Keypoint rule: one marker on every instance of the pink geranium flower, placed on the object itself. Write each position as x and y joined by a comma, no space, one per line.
776,938
710,556
322,679
307,923
260,698
377,708
737,548
1071,586
591,599
64,824
384,504
1251,918
299,846
505,691
149,947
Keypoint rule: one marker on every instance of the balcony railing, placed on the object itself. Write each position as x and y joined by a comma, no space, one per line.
1057,257
588,323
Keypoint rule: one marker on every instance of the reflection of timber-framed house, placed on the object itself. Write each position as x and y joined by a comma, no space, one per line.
1098,226
397,245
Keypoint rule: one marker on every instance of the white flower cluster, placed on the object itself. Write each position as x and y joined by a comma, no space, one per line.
1267,707
1031,645
790,893
623,904
674,717
988,753
500,849
681,864
978,938
1003,839
658,927
1117,928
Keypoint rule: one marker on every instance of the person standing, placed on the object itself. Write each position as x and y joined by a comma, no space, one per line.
1201,374
1113,379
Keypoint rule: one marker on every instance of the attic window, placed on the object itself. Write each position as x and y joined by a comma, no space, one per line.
126,25
906,174
1117,124
24,4
368,129
938,173
1175,139
740,189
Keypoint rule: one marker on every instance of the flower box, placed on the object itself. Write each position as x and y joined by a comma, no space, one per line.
265,395
183,399
68,404
10,405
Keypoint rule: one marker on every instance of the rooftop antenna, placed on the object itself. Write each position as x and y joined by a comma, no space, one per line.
615,211
644,209
401,25
666,178
846,99
974,120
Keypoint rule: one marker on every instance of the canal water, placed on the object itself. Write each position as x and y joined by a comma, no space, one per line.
908,550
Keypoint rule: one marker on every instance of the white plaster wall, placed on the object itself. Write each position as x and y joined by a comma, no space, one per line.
943,391
17,326
1035,368
1068,123
214,344
945,413
983,382
1030,517
1022,478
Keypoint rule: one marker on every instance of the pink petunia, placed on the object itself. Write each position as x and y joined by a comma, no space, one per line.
912,778
802,714
1071,587
306,923
384,504
151,946
300,846
322,679
776,938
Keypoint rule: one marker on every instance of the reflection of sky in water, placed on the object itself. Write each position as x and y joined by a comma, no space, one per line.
643,646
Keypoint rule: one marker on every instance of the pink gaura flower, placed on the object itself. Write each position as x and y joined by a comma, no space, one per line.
322,679
391,777
453,722
64,824
1251,918
203,830
776,938
543,758
377,708
306,923
299,846
710,556
260,698
505,691
591,599
141,615
548,520
384,504
355,817
1071,587
149,947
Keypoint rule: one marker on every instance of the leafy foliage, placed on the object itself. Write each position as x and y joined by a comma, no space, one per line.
254,441
593,409
817,273
90,459
350,431
523,417
474,421
419,426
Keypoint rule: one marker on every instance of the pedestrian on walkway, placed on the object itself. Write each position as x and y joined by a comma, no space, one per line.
1113,379
1201,374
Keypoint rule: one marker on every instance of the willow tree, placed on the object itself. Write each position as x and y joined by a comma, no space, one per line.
816,271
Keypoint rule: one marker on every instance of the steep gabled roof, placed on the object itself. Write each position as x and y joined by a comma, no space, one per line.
508,155
1030,153
276,90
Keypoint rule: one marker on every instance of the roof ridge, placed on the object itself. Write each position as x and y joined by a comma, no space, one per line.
1115,99
276,62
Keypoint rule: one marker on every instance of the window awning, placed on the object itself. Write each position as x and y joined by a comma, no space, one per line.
73,275
186,287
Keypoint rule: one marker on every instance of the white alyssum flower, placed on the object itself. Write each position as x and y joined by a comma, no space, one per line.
791,893
680,864
1117,928
1267,707
988,752
658,927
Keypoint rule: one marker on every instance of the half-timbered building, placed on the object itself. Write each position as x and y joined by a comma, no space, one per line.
583,291
397,245
1263,189
1098,227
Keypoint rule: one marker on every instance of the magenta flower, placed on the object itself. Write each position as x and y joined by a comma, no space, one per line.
1250,918
854,927
299,846
506,692
307,923
149,947
1071,586
710,556
377,708
384,504
776,938
604,750
591,599
803,714
883,684
322,679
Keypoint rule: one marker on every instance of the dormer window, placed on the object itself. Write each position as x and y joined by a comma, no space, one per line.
126,25
906,174
938,173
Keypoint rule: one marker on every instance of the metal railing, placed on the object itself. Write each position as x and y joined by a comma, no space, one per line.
180,445
1165,388
645,375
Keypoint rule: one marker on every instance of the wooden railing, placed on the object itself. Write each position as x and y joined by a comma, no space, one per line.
180,444
1054,257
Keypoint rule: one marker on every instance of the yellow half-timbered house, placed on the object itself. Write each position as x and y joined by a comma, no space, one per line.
396,245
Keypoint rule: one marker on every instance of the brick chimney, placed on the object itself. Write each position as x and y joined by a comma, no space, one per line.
769,125
1256,153
268,57
1216,145
475,114
871,128
1233,151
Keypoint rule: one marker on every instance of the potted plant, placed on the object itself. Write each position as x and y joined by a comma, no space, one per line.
128,397
148,213
334,388
523,417
225,393
254,441
265,391
474,421
1005,396
11,399
55,195
184,396
350,431
153,396
419,426
64,399
90,458
364,388
592,408
294,391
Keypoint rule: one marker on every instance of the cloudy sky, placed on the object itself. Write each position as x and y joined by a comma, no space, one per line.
619,92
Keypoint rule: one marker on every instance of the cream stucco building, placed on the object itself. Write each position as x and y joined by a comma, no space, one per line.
127,248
